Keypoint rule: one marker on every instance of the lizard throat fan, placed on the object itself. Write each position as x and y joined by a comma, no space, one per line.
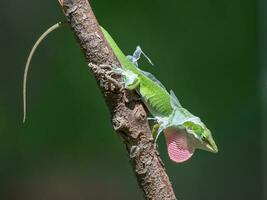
178,145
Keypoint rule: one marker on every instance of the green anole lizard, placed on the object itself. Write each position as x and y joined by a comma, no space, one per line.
183,131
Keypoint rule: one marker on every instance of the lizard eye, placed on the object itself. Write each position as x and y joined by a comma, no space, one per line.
203,138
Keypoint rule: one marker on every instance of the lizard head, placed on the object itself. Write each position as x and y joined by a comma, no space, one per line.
196,134
183,140
201,136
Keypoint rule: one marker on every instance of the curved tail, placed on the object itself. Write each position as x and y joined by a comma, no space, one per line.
26,69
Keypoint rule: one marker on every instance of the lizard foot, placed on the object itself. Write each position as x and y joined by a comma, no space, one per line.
107,72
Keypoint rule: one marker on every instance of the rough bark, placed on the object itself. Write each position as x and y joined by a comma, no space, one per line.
127,112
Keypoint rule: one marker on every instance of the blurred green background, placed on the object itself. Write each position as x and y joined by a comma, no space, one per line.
206,51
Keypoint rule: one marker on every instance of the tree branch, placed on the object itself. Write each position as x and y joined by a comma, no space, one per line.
127,112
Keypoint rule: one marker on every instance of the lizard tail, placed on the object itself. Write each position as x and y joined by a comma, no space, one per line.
26,69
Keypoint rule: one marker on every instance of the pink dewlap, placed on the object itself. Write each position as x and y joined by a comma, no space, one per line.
178,146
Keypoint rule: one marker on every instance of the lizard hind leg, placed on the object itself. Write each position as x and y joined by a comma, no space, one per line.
136,56
131,79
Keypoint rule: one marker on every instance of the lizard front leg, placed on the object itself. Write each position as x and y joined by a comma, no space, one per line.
131,80
107,72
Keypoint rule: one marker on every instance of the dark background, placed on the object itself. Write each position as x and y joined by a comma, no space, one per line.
206,51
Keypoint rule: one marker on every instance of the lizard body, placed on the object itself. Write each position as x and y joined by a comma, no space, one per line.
183,131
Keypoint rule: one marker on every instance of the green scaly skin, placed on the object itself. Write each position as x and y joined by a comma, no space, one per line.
159,103
156,98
